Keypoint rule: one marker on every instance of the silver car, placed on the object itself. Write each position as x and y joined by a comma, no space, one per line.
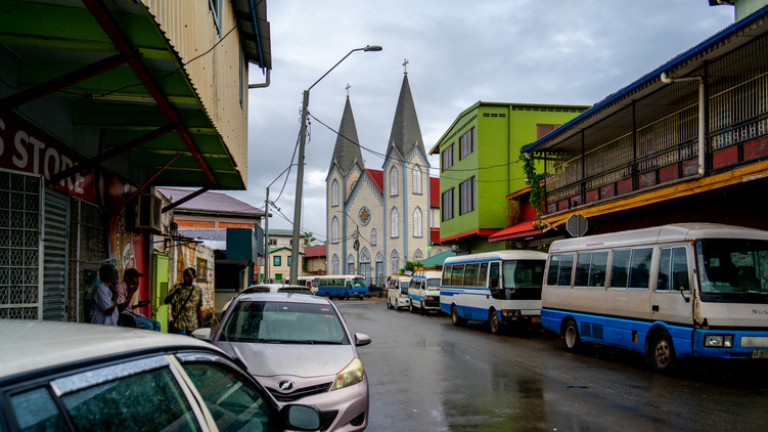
300,349
57,376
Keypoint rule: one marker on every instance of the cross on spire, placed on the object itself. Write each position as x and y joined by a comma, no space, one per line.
405,66
348,87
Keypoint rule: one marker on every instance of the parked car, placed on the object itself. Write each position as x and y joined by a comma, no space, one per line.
65,376
301,350
397,292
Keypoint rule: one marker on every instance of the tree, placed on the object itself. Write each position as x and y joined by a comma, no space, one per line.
309,239
411,266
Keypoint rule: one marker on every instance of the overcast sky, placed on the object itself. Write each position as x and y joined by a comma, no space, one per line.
459,52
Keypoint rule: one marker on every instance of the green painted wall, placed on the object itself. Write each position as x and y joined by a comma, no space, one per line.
501,130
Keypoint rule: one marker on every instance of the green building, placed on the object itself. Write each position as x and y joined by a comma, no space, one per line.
480,165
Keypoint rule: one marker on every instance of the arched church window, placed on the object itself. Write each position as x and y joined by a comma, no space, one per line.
351,264
374,237
417,255
393,182
394,223
335,264
416,178
418,230
394,261
335,193
335,230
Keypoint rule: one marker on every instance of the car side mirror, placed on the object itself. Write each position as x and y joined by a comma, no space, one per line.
301,417
202,334
362,339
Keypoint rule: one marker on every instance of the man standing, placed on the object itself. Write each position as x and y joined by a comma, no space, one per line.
125,292
186,300
104,306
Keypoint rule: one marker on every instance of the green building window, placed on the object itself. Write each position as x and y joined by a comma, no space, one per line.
467,143
467,196
447,204
447,158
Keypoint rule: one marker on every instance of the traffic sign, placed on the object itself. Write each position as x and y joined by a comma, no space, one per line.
576,225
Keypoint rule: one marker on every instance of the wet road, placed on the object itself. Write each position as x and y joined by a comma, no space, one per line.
427,375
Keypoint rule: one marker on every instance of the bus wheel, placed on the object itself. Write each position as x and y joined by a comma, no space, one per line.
661,353
346,296
571,336
328,295
493,322
455,319
421,309
410,306
389,304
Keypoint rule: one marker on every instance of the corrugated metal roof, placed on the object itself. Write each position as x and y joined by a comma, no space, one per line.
210,202
730,33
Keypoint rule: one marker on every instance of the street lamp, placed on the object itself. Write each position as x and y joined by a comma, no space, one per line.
300,172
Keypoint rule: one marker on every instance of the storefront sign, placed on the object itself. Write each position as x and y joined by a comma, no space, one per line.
25,147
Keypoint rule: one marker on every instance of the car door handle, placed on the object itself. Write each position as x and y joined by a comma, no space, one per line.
655,308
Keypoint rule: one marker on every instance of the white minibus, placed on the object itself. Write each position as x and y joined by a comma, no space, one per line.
496,288
424,291
397,291
668,292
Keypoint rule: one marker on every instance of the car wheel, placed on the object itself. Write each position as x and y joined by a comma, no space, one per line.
571,336
421,308
455,319
661,354
493,322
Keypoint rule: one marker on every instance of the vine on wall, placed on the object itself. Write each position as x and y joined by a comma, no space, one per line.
535,181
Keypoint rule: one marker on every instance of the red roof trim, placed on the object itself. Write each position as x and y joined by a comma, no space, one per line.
478,232
377,177
523,229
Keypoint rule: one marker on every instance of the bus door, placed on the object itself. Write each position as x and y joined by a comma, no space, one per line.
672,299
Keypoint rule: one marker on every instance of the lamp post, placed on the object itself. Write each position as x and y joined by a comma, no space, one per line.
294,275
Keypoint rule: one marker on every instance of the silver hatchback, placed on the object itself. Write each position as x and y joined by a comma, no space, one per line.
300,349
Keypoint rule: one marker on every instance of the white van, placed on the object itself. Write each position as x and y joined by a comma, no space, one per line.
424,291
397,291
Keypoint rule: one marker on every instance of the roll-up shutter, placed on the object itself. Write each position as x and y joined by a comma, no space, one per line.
55,249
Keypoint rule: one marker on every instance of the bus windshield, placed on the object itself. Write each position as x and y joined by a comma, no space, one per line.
733,270
433,283
359,283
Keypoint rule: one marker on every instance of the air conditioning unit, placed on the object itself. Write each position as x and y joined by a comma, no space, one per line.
148,213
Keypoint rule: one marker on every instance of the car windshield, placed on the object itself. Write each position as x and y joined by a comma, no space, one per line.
284,322
733,270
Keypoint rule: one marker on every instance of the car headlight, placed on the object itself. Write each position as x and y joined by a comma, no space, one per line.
718,341
350,375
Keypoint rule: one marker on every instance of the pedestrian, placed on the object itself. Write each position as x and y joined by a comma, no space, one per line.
186,300
125,292
104,305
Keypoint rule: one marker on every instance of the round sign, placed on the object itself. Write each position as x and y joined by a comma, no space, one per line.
364,215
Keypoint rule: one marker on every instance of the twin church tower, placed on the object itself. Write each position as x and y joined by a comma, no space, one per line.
377,220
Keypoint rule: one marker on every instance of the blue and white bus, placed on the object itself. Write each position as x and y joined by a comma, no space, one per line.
668,292
424,291
496,288
341,286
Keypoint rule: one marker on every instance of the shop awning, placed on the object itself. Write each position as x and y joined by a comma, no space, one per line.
521,230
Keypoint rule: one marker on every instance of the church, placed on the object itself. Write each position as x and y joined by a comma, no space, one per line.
377,220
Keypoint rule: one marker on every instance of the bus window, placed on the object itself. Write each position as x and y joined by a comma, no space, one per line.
470,274
457,274
566,266
640,266
597,269
482,276
554,267
582,269
664,282
680,269
493,282
447,275
620,268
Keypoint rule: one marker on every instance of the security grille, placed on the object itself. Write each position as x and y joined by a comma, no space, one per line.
55,250
20,292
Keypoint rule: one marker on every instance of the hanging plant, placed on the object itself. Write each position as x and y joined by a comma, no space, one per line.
535,181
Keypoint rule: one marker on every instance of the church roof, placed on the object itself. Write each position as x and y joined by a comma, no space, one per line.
347,149
377,177
406,134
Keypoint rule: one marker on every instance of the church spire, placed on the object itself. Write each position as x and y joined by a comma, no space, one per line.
406,134
347,149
